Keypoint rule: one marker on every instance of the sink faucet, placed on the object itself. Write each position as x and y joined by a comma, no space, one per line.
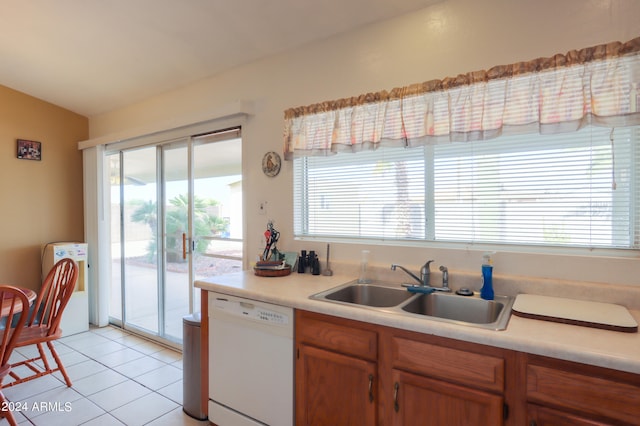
411,274
425,275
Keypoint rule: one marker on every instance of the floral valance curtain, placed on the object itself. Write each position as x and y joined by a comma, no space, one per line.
598,85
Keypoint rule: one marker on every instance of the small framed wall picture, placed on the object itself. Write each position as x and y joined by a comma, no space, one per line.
29,150
271,163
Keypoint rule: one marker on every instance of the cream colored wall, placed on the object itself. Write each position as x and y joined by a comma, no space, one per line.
449,38
41,200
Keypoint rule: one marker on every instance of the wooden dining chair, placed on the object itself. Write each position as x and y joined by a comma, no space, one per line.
43,325
15,308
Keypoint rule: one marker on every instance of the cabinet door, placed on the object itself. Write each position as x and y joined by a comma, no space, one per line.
334,389
540,416
423,401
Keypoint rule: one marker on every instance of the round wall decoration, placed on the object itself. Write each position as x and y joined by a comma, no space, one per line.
271,163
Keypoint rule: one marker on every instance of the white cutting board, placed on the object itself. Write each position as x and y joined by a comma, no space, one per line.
578,312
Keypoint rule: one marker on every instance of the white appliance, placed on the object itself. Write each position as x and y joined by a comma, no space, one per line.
250,362
75,318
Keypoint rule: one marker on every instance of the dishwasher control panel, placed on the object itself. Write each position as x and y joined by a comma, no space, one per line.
248,309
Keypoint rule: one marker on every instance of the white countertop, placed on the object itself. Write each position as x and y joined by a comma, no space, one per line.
611,349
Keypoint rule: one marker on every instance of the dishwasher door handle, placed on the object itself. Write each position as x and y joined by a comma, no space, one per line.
247,305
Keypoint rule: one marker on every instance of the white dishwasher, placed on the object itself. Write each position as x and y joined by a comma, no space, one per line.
250,362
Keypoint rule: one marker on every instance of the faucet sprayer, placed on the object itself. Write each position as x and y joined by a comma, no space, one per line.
445,276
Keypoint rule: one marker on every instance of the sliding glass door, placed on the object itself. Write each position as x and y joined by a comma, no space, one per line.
176,216
141,269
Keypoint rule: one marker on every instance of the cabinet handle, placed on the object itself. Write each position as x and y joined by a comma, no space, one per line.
396,406
370,387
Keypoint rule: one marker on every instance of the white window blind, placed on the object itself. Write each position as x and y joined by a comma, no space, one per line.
569,189
374,194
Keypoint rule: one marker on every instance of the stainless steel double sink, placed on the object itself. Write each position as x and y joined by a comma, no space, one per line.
466,310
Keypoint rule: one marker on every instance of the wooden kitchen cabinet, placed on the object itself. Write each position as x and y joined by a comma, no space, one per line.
420,400
438,381
336,371
420,379
567,393
334,389
349,372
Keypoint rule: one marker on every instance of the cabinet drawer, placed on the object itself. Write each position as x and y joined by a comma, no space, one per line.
592,394
477,370
337,334
541,416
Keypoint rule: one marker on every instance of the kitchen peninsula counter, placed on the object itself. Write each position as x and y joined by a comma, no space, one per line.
603,348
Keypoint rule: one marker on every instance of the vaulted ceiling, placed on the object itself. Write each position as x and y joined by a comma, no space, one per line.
93,56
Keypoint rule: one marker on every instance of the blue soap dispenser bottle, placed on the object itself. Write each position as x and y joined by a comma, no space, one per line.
486,292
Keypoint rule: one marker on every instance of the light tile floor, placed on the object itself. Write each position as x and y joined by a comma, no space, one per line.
118,379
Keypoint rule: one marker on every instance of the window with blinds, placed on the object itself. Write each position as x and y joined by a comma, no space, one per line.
576,189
